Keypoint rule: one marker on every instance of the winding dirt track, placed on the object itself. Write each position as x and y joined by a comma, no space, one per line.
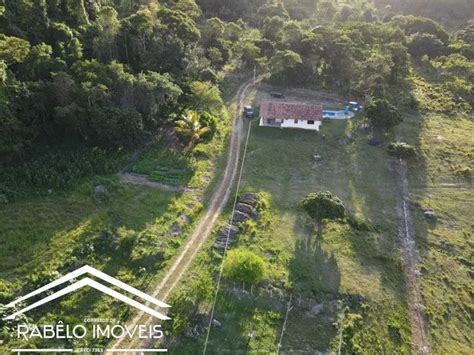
203,229
411,267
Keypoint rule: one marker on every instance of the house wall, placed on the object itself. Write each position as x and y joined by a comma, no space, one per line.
301,124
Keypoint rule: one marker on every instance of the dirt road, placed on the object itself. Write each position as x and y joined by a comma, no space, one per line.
411,266
203,229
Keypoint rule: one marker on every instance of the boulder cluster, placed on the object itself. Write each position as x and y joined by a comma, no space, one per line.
244,210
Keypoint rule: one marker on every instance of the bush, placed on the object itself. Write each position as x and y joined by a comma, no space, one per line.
244,266
359,224
56,168
6,292
401,150
210,121
323,205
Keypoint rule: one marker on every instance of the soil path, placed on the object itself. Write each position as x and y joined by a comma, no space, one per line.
411,267
143,180
203,229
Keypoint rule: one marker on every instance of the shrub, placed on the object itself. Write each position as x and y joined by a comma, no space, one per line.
209,121
244,266
323,205
401,150
359,224
6,292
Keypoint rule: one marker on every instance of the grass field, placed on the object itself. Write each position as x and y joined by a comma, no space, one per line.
130,232
438,182
346,286
352,270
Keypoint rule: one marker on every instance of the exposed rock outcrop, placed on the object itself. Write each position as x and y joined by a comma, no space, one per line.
226,231
249,198
245,209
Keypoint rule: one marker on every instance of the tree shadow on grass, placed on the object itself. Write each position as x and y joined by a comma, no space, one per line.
315,276
313,270
249,322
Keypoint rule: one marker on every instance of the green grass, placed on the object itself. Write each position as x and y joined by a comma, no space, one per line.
358,269
125,234
444,144
166,166
132,232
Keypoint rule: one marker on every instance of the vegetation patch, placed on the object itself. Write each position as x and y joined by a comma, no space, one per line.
166,166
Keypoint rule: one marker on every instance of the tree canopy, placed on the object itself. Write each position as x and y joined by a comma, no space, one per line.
323,205
244,266
382,114
65,65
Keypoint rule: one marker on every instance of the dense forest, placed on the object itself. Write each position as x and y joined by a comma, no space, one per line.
110,73
107,72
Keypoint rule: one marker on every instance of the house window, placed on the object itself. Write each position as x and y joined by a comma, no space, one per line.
310,122
296,121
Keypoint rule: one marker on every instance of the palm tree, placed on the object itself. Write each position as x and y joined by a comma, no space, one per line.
190,127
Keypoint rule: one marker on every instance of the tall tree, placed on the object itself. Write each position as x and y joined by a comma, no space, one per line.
109,25
190,127
382,114
323,206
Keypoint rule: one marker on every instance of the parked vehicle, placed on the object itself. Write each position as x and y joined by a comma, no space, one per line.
354,106
277,95
248,111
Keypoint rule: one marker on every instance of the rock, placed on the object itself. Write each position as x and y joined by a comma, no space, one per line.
100,190
430,215
249,198
185,218
239,217
202,319
228,230
175,230
190,332
317,309
221,240
216,323
248,209
266,283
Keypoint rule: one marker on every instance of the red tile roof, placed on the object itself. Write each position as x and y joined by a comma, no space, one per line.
291,110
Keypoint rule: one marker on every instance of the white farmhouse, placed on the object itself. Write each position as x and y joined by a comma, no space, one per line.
291,115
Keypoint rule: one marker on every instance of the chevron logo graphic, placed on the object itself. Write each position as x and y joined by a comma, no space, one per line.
94,284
